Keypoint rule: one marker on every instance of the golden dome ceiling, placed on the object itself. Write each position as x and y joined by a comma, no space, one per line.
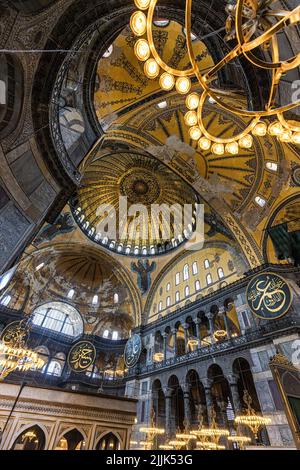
141,180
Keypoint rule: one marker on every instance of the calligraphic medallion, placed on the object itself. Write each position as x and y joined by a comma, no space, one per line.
14,332
269,296
132,351
81,356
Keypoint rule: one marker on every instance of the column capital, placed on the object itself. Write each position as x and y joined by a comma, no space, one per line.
210,315
168,392
232,379
185,326
207,383
173,330
197,321
186,388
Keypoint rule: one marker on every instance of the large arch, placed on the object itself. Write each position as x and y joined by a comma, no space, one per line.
31,437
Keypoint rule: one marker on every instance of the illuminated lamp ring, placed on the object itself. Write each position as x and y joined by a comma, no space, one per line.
286,124
246,47
218,140
205,86
177,73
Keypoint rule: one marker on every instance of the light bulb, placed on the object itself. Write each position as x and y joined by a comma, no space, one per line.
218,149
195,133
191,118
151,68
286,136
275,129
246,142
183,85
296,138
192,101
138,23
167,81
260,129
232,148
142,4
142,49
204,143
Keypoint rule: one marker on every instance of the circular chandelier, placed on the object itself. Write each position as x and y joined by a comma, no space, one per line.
251,418
14,356
251,24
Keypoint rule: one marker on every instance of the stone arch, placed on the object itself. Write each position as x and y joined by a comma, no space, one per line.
72,438
177,404
31,427
197,398
113,436
159,403
11,93
242,370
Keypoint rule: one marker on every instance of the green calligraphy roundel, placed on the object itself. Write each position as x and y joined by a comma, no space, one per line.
269,296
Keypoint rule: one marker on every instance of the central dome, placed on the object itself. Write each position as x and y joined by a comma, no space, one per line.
145,184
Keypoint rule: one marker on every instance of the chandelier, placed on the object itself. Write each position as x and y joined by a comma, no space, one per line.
151,431
14,356
240,440
251,24
251,418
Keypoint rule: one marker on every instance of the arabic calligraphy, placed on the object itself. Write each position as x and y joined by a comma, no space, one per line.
14,332
269,296
81,356
132,351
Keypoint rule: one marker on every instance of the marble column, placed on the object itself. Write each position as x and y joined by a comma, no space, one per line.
185,329
198,332
174,331
187,406
208,396
237,405
226,321
210,317
165,337
168,399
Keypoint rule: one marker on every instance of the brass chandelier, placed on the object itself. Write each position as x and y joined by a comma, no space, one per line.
252,24
14,356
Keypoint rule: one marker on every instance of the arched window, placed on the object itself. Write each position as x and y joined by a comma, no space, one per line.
60,317
168,301
31,439
186,272
116,298
95,300
220,273
260,201
197,285
168,287
105,334
115,335
109,442
187,291
11,93
6,277
177,296
160,306
206,264
54,368
177,279
208,279
195,268
6,300
71,294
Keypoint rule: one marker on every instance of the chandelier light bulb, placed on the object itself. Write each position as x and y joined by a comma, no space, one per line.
286,136
167,81
218,149
275,129
204,143
232,148
296,138
246,142
195,133
138,23
191,118
142,49
260,129
192,101
142,4
183,85
151,68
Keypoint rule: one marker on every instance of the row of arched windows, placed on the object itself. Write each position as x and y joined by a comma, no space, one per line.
209,281
186,274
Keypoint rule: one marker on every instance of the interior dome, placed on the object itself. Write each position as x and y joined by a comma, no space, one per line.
140,180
